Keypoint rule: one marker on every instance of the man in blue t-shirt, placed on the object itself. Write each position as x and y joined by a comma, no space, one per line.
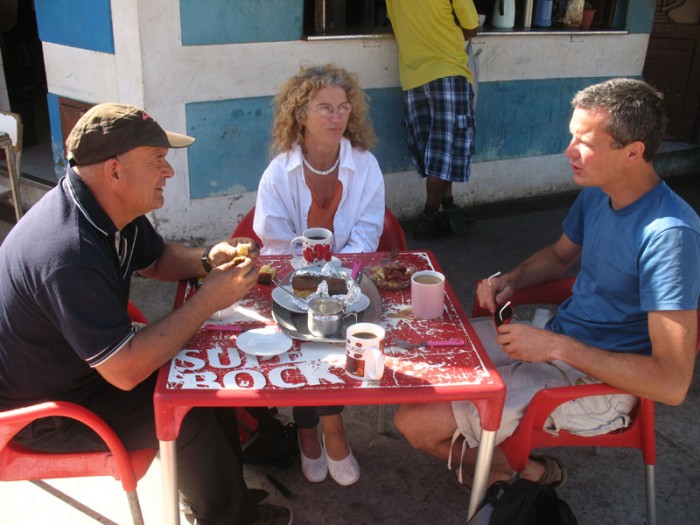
64,329
632,319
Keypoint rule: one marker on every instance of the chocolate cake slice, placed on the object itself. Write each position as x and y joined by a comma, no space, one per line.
304,284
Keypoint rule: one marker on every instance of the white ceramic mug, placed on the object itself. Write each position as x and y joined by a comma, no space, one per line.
427,294
316,247
364,351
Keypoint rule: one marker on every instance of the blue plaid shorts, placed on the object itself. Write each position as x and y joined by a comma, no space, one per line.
440,125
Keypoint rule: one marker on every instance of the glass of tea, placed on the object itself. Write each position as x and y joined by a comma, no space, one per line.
427,294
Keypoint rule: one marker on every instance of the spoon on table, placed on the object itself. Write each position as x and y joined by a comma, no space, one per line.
355,282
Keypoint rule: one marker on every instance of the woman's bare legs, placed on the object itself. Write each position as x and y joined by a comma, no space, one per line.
336,440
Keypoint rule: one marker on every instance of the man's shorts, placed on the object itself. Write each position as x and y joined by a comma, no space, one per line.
440,125
588,416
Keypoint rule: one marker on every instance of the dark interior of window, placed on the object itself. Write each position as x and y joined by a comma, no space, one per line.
345,17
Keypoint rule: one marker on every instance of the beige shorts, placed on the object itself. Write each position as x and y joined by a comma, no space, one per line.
588,416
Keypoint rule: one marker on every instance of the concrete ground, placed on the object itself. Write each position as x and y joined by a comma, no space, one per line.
400,485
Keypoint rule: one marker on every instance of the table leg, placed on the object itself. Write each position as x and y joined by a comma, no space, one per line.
168,469
381,422
481,470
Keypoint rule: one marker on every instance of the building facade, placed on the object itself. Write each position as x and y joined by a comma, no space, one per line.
210,68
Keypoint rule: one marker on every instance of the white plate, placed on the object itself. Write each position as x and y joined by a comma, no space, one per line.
264,342
287,301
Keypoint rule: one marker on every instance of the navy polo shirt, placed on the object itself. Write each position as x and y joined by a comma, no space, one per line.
64,288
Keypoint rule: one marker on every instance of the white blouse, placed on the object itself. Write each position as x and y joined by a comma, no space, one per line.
284,199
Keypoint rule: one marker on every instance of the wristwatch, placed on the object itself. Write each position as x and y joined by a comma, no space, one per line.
205,260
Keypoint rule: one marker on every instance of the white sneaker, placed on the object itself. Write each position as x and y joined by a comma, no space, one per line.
315,470
346,471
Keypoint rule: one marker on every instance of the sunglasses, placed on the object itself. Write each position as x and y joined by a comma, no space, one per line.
504,315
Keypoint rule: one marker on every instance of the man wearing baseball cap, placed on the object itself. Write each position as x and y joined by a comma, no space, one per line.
64,329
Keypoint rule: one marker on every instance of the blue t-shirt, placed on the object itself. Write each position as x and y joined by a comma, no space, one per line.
642,258
64,289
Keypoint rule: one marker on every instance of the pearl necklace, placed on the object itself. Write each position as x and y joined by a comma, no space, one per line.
321,172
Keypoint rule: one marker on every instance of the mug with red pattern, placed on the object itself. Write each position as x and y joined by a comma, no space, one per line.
316,247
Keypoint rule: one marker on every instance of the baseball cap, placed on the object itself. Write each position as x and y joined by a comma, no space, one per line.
107,130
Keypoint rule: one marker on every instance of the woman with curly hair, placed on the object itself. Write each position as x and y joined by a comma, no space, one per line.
322,176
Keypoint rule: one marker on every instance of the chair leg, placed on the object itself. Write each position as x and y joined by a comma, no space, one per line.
14,180
135,507
381,423
650,493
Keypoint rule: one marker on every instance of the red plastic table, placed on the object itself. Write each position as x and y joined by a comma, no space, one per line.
212,371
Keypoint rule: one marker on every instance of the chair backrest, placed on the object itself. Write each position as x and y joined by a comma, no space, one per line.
549,292
530,434
135,314
392,235
245,227
18,463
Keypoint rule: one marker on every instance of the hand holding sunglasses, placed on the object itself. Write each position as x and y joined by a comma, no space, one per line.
503,315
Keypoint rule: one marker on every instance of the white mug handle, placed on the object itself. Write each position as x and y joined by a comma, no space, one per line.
297,260
294,241
374,364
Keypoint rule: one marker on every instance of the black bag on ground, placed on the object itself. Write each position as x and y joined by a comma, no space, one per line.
264,438
522,502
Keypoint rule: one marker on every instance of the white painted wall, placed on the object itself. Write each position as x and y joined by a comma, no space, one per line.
151,69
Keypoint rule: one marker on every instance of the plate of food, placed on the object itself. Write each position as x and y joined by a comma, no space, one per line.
391,276
298,305
295,290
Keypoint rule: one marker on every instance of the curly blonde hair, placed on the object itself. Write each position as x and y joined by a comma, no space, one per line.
292,99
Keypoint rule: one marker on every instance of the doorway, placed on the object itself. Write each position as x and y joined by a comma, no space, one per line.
25,78
672,66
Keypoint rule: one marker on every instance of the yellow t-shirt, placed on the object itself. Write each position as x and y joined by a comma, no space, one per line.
431,45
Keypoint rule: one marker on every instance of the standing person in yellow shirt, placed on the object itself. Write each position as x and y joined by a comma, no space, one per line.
438,100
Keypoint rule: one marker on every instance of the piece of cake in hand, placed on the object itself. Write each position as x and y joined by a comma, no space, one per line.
243,248
266,274
238,259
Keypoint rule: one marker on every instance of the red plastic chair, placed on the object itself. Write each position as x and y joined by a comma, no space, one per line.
18,463
245,227
640,434
392,235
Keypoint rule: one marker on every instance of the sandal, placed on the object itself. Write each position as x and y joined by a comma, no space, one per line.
555,473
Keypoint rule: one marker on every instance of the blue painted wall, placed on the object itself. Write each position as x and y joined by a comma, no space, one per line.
525,118
86,24
231,150
57,139
233,140
237,21
638,14
387,116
